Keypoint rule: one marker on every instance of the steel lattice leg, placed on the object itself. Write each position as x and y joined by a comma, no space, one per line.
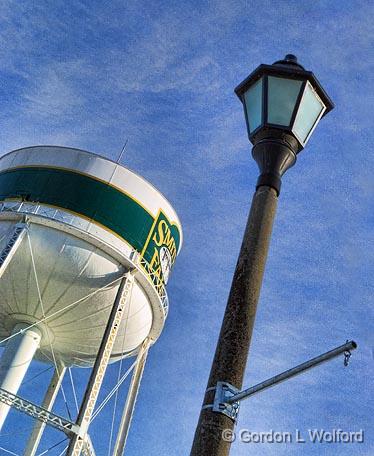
12,245
78,442
131,399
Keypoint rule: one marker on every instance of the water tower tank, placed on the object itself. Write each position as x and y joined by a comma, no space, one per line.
88,220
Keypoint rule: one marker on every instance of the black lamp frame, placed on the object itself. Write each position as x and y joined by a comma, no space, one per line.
276,146
281,71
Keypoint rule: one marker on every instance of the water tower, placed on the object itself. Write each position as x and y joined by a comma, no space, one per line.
86,248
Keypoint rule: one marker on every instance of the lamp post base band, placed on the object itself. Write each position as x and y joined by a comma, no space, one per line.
269,180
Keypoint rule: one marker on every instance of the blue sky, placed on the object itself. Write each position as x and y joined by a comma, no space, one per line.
91,74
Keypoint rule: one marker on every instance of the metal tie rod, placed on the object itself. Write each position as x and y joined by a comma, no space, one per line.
349,345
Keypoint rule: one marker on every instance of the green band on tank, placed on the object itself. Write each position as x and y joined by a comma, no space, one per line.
84,195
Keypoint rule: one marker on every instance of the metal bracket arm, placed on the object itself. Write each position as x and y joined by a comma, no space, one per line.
227,397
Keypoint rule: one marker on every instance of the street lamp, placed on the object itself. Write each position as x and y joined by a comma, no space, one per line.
283,103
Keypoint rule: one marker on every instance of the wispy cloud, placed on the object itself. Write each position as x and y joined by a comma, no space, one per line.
92,74
53,92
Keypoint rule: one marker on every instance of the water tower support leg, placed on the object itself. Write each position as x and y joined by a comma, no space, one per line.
48,401
15,360
78,442
131,399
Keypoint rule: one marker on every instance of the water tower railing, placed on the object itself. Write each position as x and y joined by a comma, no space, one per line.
60,215
157,282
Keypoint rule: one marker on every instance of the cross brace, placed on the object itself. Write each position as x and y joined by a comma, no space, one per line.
49,418
38,412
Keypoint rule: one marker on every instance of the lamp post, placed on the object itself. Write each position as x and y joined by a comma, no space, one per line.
282,103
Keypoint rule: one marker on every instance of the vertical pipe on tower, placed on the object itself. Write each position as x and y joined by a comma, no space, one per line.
16,358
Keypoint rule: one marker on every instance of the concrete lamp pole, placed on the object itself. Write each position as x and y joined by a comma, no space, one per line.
282,104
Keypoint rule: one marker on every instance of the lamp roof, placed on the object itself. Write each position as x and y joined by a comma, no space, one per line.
288,68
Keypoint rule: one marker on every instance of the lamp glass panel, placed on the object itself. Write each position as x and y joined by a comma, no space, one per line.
309,110
253,105
282,97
